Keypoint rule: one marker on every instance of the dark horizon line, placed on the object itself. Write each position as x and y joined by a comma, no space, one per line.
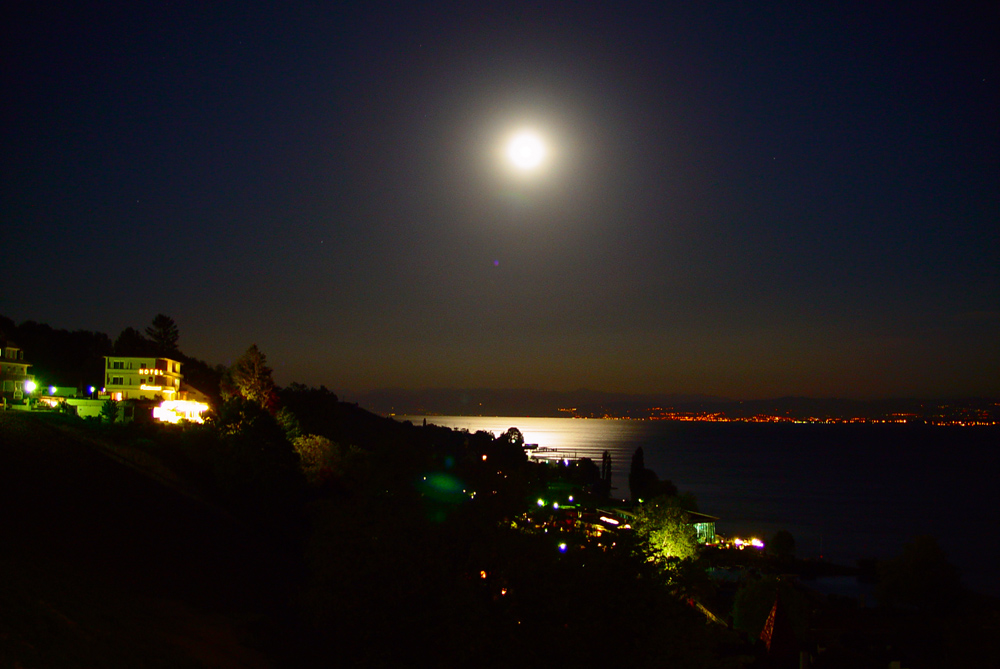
670,396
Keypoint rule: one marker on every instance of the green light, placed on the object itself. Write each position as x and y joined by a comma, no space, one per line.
541,502
29,386
443,488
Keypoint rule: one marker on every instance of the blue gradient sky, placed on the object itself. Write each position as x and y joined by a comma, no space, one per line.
747,200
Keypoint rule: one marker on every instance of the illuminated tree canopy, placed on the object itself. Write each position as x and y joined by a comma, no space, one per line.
318,456
250,378
666,530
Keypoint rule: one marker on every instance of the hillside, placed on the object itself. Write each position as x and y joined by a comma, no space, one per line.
113,555
108,564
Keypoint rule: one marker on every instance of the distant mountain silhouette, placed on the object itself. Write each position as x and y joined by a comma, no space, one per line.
518,402
595,404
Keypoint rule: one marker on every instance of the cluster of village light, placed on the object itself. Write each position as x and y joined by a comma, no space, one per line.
751,543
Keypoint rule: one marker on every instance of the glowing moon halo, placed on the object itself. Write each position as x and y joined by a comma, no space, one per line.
525,150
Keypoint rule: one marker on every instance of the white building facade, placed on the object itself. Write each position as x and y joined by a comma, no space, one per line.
146,378
13,372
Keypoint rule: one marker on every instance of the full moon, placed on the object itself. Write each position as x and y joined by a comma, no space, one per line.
526,150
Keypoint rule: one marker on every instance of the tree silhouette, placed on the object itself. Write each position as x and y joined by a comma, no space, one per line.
605,489
513,437
164,333
782,544
59,357
256,468
643,483
507,450
635,473
920,578
131,343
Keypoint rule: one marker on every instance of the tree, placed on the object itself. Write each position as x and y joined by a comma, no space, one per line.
666,530
250,378
513,437
920,578
315,410
319,457
289,422
643,483
782,545
131,343
203,377
635,473
109,410
164,334
605,488
256,468
586,474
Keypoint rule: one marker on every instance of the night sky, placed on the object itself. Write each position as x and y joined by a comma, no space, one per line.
747,200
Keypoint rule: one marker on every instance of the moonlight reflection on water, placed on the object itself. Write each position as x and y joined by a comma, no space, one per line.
844,491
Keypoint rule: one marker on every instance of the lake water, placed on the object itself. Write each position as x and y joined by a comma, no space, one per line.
844,491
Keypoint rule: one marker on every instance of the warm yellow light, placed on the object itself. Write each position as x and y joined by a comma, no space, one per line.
526,150
174,411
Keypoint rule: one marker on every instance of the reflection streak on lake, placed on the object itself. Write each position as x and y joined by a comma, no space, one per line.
844,491
582,438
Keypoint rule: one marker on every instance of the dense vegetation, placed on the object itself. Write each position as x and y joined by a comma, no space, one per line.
381,559
76,358
293,529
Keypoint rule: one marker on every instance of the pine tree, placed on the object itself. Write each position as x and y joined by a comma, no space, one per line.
164,333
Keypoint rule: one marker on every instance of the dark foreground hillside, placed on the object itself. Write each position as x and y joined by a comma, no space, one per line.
111,558
159,546
105,565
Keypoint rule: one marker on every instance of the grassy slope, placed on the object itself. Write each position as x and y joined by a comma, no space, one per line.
107,564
